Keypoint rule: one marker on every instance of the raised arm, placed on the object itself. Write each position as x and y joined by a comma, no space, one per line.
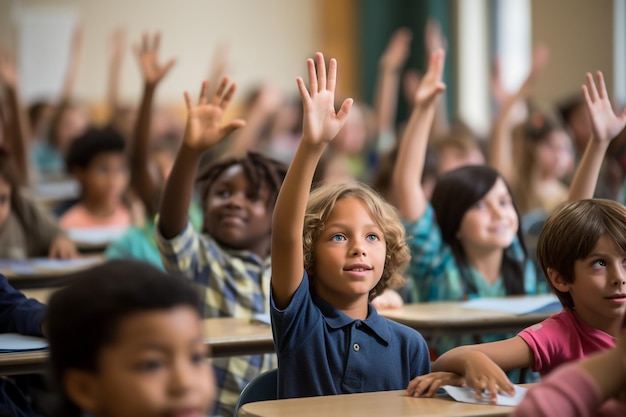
501,155
204,129
434,40
388,81
17,129
73,65
116,57
320,126
606,126
152,73
407,172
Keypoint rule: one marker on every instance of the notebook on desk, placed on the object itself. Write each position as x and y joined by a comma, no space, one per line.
14,342
541,304
36,265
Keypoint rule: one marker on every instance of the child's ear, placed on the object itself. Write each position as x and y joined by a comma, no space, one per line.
82,389
557,280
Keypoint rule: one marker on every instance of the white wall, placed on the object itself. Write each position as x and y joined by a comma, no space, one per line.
269,39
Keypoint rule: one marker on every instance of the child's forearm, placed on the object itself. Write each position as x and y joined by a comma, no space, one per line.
19,134
410,164
288,223
178,192
584,183
141,180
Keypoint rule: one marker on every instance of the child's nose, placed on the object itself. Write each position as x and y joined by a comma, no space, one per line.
358,250
180,379
619,275
236,199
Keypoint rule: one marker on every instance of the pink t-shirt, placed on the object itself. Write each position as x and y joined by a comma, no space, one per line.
563,338
579,396
78,217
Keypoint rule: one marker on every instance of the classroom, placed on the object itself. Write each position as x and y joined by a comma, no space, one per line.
313,207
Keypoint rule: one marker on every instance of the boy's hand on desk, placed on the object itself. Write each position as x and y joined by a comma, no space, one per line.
388,299
204,120
427,385
486,378
62,248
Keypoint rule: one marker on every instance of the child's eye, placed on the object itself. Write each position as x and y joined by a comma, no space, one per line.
198,358
599,263
4,199
372,237
222,193
505,202
150,365
480,205
337,238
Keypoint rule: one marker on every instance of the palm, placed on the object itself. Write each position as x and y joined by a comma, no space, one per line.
431,84
321,123
204,120
606,124
148,57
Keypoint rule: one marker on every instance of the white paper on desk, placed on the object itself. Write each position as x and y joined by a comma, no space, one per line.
63,264
13,342
548,303
468,395
95,235
262,318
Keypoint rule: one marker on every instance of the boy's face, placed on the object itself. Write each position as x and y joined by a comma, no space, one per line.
236,215
350,253
599,287
156,366
105,179
5,201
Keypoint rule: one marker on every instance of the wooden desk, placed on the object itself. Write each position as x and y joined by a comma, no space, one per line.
43,272
374,404
451,318
40,294
226,337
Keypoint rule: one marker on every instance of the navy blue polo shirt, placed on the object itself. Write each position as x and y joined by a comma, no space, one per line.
322,351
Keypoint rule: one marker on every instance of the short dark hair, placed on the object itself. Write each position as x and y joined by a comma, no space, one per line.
455,193
93,142
258,169
85,315
570,234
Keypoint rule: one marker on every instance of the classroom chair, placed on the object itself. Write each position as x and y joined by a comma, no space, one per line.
262,388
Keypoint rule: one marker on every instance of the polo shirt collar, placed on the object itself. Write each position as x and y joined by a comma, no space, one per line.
336,319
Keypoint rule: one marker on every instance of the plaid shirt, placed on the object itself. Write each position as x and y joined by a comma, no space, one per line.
233,283
435,276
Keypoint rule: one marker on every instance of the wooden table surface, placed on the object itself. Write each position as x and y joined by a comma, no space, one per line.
225,337
451,318
33,273
374,404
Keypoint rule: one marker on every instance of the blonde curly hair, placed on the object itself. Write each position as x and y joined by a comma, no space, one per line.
321,204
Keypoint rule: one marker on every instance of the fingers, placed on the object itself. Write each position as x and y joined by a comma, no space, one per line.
304,93
187,101
202,99
235,124
312,76
332,74
342,115
602,92
219,92
321,71
228,96
593,91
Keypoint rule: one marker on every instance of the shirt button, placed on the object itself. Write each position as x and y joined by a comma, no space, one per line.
356,347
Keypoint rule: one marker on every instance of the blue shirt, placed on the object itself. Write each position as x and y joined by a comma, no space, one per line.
322,351
19,314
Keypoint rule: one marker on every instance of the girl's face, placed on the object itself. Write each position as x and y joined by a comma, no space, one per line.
156,366
237,215
5,201
492,222
555,155
350,254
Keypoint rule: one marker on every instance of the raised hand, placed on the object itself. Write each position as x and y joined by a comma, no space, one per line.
204,121
397,50
320,123
431,85
8,72
434,39
148,57
606,124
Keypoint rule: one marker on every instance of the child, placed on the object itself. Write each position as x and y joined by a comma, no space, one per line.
592,388
126,340
581,249
230,259
98,162
474,249
329,339
26,229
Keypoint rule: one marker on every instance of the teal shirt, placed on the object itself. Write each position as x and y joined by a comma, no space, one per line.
138,242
